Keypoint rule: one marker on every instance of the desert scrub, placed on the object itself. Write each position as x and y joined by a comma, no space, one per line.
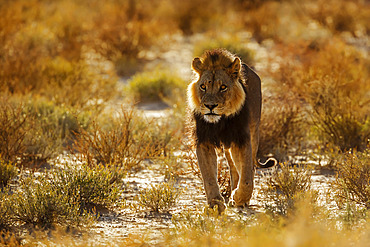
285,187
234,44
340,16
331,82
36,202
44,54
87,186
13,129
8,171
52,128
61,196
155,85
352,184
119,142
160,197
282,127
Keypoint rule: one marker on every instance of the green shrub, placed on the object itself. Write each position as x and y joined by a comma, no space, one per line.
7,172
37,202
87,186
155,86
160,197
61,196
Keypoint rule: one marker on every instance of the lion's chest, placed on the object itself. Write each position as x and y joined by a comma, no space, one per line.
225,132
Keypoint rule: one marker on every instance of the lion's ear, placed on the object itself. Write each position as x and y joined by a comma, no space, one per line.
234,68
197,65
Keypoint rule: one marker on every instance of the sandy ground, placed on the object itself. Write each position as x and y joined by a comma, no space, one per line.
131,220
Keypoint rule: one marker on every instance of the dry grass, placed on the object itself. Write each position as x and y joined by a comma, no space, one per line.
329,80
159,198
13,130
282,127
118,145
308,228
353,180
285,188
59,197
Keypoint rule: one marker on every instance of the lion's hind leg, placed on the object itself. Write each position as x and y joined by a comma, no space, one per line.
234,176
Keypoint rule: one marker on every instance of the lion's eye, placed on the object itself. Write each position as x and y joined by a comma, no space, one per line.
203,87
223,88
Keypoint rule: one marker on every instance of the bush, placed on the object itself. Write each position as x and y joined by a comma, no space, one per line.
13,129
7,172
159,197
352,183
155,86
48,59
119,144
86,186
51,128
331,84
36,202
281,129
285,187
61,196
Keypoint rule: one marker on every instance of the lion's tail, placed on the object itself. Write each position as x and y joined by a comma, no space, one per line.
270,162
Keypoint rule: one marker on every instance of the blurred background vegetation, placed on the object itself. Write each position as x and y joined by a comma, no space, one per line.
73,74
63,62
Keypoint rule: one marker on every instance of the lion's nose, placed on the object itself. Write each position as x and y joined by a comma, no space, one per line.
211,107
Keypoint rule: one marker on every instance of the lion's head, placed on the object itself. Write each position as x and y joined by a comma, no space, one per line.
217,90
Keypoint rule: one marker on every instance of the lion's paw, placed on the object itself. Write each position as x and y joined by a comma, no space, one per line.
221,206
239,198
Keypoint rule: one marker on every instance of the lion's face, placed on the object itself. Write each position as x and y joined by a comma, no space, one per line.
217,91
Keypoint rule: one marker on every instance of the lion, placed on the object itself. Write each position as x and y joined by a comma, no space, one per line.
224,102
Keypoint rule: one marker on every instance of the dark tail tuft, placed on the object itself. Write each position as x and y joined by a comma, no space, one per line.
269,163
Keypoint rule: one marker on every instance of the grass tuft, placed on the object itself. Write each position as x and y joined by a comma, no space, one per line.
160,197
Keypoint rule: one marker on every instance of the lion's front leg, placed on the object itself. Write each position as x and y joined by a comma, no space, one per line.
242,157
207,161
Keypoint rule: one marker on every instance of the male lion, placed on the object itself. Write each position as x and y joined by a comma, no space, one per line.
225,109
